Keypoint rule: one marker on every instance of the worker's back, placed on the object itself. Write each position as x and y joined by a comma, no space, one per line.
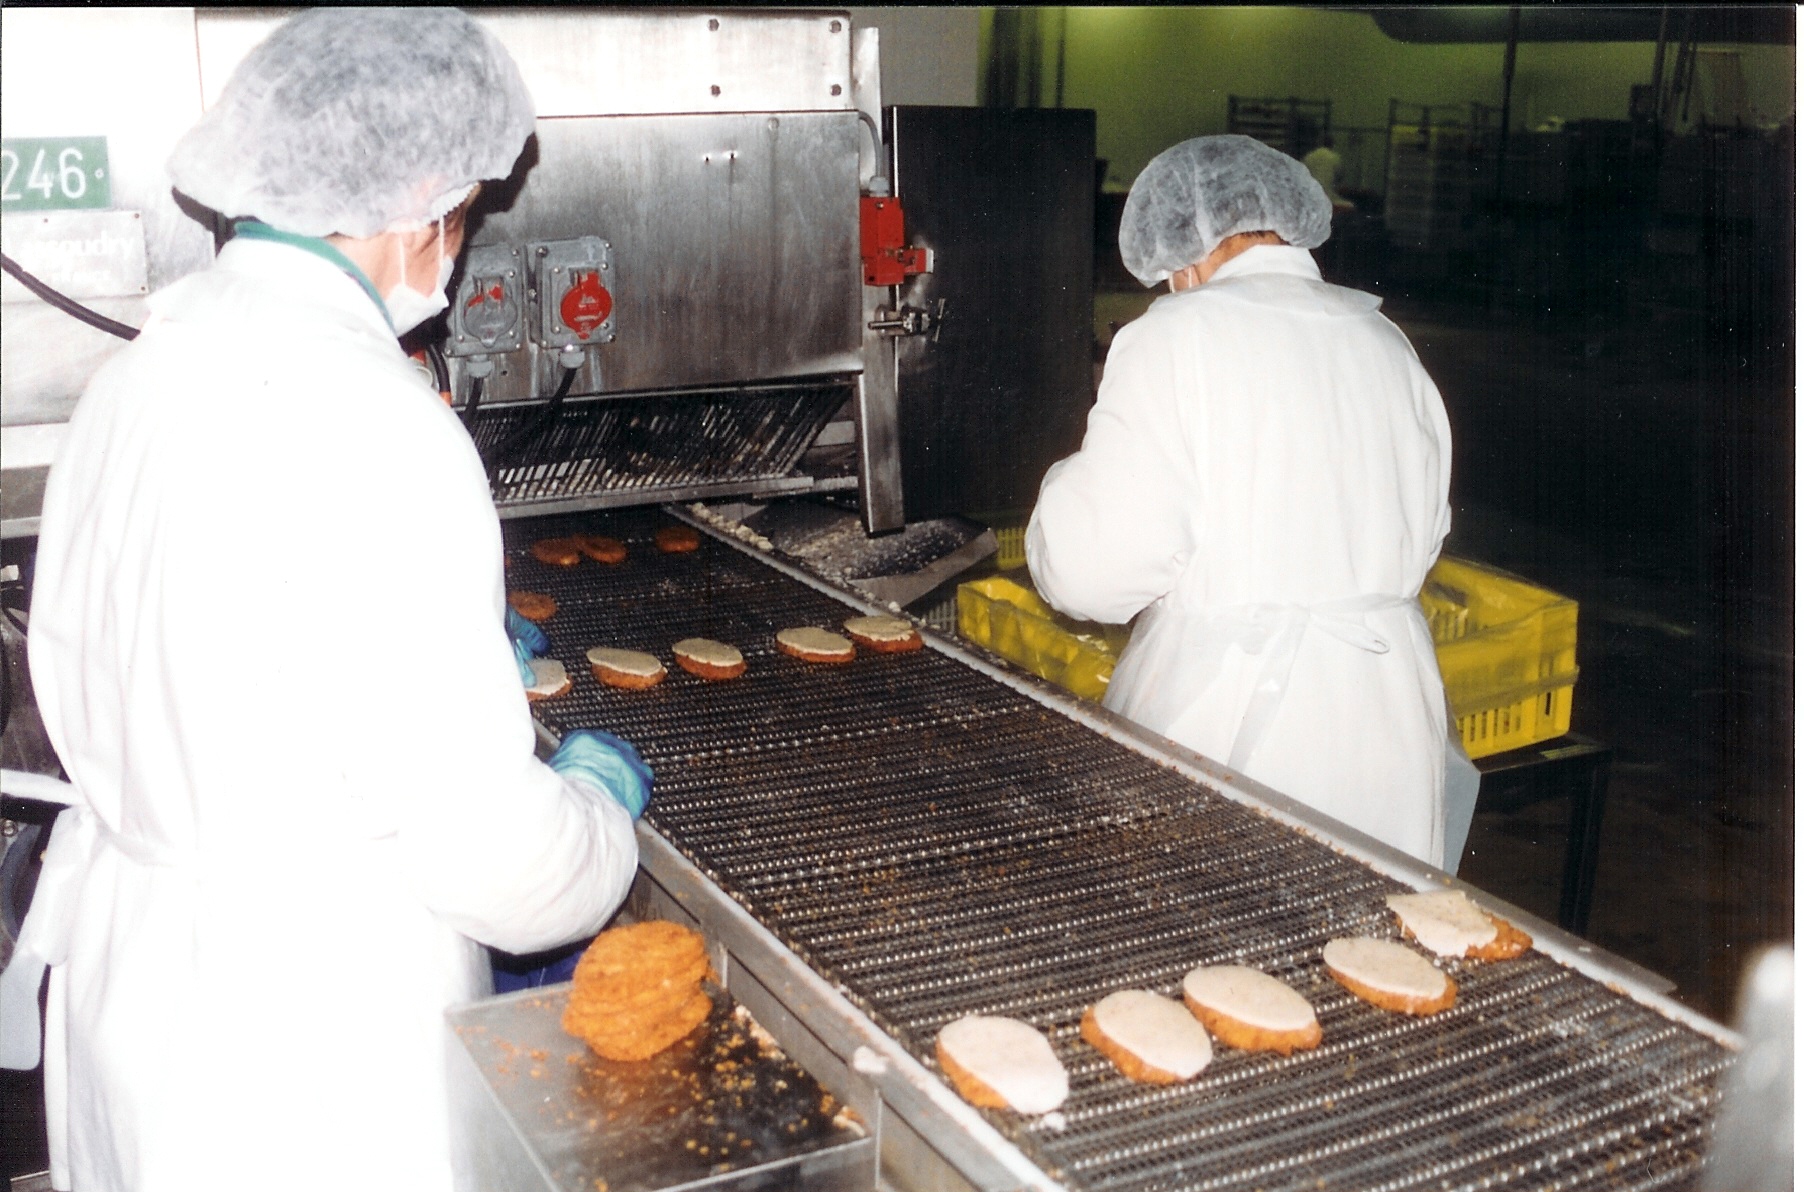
1264,481
1320,445
267,641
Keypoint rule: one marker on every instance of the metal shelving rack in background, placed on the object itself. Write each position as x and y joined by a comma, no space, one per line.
1289,125
1442,160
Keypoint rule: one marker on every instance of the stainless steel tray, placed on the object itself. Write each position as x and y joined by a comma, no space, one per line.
723,1109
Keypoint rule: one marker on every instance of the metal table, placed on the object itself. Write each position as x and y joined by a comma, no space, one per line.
1573,768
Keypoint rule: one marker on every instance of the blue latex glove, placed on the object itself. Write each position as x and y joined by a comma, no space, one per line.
529,643
607,763
525,634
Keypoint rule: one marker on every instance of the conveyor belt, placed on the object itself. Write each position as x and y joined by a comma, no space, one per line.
939,844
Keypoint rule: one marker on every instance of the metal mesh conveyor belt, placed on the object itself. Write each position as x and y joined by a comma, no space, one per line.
651,441
938,844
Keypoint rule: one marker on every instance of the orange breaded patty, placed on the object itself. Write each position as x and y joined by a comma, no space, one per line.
656,965
1245,1036
559,552
621,949
969,1086
707,659
633,670
1250,1009
676,540
550,680
534,606
643,1034
1126,1062
1510,943
637,990
600,548
1389,975
884,635
815,645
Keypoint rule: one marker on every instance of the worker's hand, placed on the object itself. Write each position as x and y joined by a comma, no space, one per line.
607,763
529,643
525,634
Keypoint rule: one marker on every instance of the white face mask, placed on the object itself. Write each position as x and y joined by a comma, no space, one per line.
407,307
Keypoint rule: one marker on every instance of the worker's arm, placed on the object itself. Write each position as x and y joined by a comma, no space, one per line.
1113,526
501,846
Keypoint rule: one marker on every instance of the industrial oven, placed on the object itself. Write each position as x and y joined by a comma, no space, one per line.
724,271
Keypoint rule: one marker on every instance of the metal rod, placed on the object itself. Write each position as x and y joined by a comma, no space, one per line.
1688,64
1659,79
1509,86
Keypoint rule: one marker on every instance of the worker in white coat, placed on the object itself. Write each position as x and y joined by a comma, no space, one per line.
267,639
1264,484
1323,164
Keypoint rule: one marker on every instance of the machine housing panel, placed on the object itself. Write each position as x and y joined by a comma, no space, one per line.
734,241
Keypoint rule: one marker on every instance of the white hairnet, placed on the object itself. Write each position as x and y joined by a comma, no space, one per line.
348,120
1199,192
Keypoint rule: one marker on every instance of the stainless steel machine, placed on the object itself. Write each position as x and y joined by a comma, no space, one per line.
724,270
703,280
666,302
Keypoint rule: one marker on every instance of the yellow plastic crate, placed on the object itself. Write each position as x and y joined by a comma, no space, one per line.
1011,547
1508,650
1010,618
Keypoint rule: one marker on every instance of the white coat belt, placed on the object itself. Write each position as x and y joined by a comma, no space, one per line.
1275,632
76,843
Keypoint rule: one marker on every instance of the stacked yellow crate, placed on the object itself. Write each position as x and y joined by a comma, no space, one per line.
1508,650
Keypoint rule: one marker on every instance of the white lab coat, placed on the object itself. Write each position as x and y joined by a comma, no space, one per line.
1264,481
267,639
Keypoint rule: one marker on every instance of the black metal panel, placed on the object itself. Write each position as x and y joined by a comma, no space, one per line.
1004,199
937,844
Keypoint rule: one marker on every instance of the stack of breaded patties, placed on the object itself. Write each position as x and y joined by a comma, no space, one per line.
638,989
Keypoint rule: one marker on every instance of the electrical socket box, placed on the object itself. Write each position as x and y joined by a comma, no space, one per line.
489,312
573,280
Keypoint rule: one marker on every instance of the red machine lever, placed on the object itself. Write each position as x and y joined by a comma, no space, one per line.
882,242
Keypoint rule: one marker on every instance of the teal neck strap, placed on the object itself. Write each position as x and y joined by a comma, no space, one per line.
251,229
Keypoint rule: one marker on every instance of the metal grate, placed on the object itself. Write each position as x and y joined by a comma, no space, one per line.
939,844
650,442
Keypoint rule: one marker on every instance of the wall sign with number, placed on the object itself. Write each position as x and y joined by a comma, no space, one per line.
54,173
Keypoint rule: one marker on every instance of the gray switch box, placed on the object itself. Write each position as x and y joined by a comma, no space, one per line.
489,313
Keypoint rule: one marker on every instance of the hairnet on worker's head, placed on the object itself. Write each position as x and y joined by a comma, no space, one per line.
348,120
1199,192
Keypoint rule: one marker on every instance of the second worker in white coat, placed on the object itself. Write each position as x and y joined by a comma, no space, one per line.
1264,483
